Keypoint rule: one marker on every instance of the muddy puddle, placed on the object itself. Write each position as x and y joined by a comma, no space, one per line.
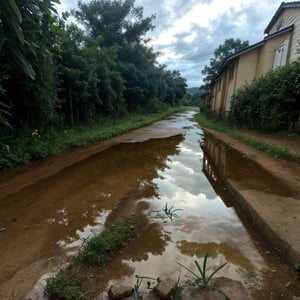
142,172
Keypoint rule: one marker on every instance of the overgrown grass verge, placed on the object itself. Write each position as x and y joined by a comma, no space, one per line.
272,150
95,251
31,144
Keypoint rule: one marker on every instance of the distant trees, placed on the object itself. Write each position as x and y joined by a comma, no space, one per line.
54,72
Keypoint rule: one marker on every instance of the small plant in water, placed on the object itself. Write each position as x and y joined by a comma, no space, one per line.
139,281
168,212
202,279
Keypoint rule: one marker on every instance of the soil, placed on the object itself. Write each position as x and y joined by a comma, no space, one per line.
287,172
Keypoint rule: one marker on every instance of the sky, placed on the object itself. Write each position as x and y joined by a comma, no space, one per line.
188,31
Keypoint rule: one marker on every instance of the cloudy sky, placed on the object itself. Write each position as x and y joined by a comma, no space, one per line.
188,31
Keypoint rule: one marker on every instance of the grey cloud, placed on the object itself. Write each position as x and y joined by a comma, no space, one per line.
247,23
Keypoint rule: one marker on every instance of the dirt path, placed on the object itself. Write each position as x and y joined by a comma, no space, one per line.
15,179
287,172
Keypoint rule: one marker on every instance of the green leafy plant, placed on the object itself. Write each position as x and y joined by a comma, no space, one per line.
168,212
202,279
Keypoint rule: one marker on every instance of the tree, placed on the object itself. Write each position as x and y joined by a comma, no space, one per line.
229,47
114,22
28,48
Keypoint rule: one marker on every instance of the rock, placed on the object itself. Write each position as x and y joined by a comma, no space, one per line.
165,288
232,288
118,292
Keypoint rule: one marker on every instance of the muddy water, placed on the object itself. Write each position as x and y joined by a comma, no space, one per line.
46,221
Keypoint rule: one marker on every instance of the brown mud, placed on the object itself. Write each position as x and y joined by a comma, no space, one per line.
47,208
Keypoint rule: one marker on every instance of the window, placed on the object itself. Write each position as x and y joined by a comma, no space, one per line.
280,56
220,84
231,72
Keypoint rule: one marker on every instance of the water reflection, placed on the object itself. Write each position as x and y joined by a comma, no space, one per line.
141,178
223,163
206,223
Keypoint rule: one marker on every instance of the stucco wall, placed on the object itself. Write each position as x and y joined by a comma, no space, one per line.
247,67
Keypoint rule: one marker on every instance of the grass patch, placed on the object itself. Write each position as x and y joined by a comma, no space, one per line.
272,150
95,251
30,144
63,286
116,235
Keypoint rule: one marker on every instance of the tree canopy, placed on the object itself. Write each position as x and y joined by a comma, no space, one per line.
229,47
53,72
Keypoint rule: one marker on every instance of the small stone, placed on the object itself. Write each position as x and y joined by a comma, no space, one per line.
118,292
165,288
2,229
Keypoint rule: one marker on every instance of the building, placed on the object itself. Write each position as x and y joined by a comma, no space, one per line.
279,47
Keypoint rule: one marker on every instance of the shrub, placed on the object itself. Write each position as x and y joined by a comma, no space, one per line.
270,102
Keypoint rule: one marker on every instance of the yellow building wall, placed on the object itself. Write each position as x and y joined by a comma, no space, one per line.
217,95
247,68
267,53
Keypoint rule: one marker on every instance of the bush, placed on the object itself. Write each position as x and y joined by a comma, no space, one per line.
271,102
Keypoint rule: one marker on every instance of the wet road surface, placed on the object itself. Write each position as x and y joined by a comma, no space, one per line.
144,170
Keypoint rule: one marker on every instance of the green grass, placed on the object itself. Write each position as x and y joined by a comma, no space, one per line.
272,150
116,235
95,251
32,144
201,278
63,286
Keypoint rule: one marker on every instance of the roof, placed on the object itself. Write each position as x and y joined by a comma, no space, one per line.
284,5
230,58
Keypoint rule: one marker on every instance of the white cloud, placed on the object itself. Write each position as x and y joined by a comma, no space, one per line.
188,31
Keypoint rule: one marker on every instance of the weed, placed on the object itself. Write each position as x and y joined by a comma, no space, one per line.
168,212
202,279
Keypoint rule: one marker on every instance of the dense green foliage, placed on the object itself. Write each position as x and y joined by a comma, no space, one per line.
271,102
54,74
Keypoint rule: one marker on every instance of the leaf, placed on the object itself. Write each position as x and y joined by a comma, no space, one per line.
12,9
188,269
25,64
220,291
18,31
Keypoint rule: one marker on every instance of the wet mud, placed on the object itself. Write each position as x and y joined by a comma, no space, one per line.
46,221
